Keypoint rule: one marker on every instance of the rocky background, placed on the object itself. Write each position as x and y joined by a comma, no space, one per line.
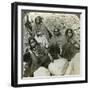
52,20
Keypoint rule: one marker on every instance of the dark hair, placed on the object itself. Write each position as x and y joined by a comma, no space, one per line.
29,40
58,30
54,51
40,19
27,57
66,33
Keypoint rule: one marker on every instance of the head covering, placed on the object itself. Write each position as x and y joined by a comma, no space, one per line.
38,17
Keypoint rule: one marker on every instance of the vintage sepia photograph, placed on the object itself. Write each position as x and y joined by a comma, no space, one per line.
49,44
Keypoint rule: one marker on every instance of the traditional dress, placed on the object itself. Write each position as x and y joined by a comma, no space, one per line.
58,40
74,66
41,72
42,28
42,40
38,57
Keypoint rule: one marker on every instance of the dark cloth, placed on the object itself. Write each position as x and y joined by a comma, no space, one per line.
27,58
35,61
44,61
54,51
68,51
59,40
28,25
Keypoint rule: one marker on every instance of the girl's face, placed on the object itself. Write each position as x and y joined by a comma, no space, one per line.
70,33
39,34
33,43
37,21
56,32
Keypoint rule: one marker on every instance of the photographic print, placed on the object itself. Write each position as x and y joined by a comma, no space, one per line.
50,46
50,39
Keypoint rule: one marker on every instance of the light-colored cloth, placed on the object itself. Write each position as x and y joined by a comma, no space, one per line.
42,40
41,71
40,27
58,67
74,66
